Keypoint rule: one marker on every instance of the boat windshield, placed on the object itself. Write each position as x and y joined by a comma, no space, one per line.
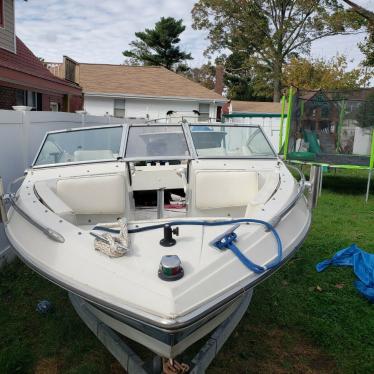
81,145
226,141
156,142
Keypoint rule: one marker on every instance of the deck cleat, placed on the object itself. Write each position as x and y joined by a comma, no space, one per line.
224,240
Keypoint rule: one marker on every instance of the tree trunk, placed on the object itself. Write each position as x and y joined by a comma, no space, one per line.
360,10
277,90
277,82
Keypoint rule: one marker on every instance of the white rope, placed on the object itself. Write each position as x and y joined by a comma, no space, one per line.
113,246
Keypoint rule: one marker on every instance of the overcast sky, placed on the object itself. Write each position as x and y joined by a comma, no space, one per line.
99,30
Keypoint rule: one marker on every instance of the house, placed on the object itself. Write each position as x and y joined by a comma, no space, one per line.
254,108
140,91
24,80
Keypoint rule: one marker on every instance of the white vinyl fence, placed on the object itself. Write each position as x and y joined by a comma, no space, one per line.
21,134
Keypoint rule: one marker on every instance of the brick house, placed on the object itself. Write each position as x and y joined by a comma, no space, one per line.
24,80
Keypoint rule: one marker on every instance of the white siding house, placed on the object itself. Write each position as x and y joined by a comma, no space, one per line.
150,108
140,91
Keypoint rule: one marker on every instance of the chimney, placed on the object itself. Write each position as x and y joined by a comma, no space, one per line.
218,86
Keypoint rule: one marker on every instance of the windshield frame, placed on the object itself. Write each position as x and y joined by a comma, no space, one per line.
186,130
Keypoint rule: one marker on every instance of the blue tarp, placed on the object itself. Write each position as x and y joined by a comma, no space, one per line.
363,266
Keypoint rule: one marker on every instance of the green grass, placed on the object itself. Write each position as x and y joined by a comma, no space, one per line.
299,320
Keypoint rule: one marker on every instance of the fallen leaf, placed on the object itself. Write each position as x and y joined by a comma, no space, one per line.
318,288
339,285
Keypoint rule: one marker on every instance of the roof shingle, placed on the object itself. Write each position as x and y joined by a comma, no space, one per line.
151,81
28,67
256,107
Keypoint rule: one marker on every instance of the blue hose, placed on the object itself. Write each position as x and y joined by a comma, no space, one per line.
225,242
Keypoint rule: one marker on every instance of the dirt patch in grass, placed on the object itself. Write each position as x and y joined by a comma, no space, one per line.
116,368
293,353
48,366
277,351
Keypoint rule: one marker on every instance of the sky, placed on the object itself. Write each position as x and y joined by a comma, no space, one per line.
97,31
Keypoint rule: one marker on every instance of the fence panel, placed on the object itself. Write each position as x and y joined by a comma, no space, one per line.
21,134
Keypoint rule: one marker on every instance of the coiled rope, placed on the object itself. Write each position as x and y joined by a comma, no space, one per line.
113,246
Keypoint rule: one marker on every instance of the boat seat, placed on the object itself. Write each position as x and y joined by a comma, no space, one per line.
216,189
89,155
46,190
100,194
268,188
228,191
85,199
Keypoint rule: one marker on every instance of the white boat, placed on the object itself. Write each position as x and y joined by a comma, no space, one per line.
185,262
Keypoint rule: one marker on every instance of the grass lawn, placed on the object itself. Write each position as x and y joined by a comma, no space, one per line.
299,320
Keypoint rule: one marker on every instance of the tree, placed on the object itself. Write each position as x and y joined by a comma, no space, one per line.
365,112
367,47
237,86
312,74
270,32
361,10
158,46
204,75
243,81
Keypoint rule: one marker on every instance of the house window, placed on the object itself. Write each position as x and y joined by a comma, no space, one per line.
204,112
30,98
39,101
1,13
119,108
219,114
21,97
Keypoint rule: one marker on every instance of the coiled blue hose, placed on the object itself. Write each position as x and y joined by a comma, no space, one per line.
225,242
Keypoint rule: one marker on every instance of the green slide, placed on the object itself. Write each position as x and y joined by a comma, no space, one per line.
313,142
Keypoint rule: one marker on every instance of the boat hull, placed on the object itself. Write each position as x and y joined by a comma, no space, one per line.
165,342
173,340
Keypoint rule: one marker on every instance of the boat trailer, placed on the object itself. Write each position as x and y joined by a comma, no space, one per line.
132,363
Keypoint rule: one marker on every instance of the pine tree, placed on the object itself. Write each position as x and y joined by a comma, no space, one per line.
159,46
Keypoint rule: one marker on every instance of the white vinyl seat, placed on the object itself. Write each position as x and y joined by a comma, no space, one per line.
46,190
85,199
101,194
228,192
270,183
216,189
